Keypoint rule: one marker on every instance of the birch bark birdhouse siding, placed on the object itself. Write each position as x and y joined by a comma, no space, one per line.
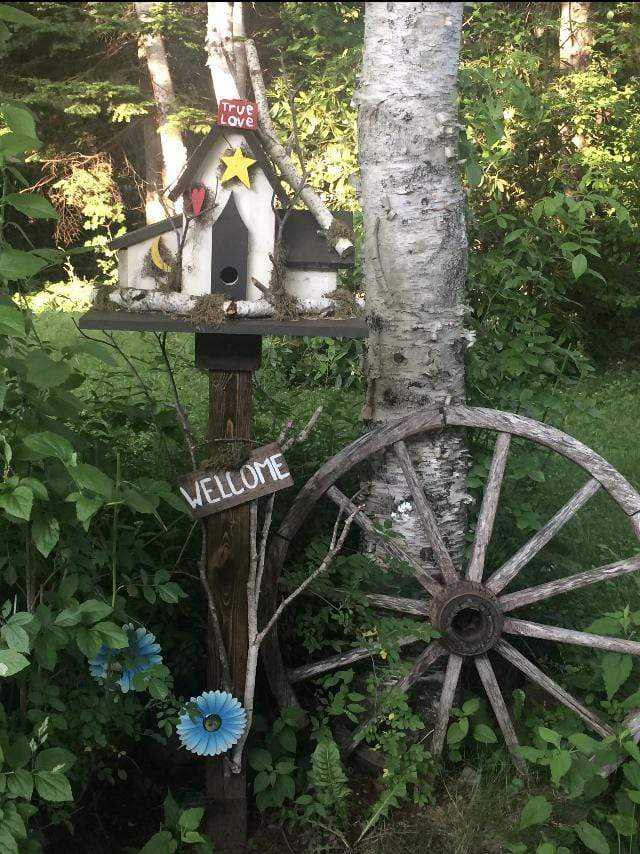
225,240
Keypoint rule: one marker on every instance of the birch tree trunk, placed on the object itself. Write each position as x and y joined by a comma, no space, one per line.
415,252
153,208
219,45
239,53
174,153
575,36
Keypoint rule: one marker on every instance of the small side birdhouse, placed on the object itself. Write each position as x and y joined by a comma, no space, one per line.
225,240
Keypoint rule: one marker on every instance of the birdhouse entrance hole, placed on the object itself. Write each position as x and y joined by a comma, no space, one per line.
229,276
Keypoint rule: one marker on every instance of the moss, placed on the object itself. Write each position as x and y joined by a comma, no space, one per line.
338,230
284,303
227,454
101,299
208,310
345,303
166,281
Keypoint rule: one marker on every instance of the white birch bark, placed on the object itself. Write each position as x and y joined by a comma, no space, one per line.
575,36
219,46
239,54
174,153
415,252
153,207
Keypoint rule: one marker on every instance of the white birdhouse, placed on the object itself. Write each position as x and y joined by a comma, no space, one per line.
224,240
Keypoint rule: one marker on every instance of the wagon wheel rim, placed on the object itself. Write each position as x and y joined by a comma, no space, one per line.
467,605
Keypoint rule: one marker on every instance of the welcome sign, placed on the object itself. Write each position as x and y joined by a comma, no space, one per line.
208,492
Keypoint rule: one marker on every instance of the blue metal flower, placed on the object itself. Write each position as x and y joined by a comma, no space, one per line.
141,653
213,725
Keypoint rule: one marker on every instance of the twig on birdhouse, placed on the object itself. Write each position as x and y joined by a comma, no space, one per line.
190,442
338,241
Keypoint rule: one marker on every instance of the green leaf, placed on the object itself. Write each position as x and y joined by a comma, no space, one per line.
484,734
536,811
616,669
87,507
8,844
53,786
11,321
89,641
19,119
584,743
20,784
90,477
138,502
592,838
16,264
624,824
18,502
471,706
633,795
457,731
32,205
17,144
18,753
160,843
69,617
44,372
559,764
546,848
93,610
631,771
48,444
190,819
45,532
549,735
579,265
259,759
171,592
54,759
11,662
112,635
261,782
17,16
15,637
92,348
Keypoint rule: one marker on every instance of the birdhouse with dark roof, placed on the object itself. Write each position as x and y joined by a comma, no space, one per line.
237,237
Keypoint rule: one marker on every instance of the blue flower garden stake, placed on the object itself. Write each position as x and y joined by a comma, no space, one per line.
140,655
216,726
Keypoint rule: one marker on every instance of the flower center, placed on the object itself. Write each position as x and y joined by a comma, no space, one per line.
212,723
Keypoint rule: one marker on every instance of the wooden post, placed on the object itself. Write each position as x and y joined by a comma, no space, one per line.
228,567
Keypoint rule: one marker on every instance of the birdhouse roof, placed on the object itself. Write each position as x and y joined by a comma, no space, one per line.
197,159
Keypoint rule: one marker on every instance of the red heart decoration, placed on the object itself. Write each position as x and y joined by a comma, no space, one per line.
197,199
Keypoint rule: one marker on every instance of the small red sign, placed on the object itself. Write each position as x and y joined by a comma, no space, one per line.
198,195
238,113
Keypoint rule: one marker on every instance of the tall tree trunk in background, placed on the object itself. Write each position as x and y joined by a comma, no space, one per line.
153,207
415,251
221,59
174,153
239,53
575,37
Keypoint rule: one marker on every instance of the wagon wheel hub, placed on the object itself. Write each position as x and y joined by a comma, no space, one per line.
469,617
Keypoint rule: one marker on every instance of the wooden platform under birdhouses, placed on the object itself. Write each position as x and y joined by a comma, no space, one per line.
321,327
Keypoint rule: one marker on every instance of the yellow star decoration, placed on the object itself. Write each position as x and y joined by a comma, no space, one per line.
237,167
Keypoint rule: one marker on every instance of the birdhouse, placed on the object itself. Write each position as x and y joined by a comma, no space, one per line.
236,232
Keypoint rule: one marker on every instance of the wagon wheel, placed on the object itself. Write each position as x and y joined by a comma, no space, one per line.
468,606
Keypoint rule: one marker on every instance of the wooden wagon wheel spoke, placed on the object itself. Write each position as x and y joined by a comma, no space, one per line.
572,582
555,633
452,675
337,662
472,616
422,663
536,675
493,692
403,605
501,577
487,514
393,550
426,515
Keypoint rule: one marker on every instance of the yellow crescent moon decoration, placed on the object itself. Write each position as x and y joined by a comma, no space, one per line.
157,258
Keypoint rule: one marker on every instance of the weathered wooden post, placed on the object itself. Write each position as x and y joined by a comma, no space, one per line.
230,361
